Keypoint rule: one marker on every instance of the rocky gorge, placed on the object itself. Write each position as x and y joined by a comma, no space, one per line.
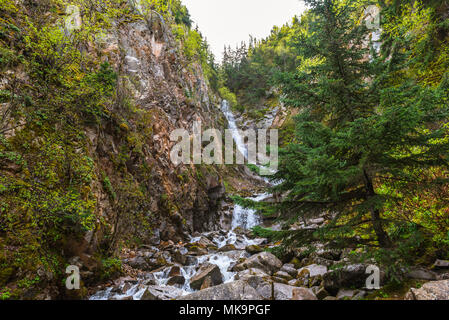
87,181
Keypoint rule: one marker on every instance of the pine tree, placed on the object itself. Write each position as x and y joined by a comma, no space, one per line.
364,131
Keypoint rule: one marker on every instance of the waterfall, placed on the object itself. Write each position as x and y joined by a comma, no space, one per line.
243,218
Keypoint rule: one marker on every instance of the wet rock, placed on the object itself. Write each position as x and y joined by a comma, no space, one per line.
206,270
264,261
236,290
126,298
179,256
177,281
205,242
161,293
253,249
227,247
190,261
329,298
174,271
435,290
422,274
197,251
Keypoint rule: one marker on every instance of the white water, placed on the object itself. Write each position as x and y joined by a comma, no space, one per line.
242,218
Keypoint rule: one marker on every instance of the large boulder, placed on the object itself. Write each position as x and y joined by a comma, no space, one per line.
253,249
286,292
206,270
350,276
161,293
237,290
422,274
313,270
435,290
264,261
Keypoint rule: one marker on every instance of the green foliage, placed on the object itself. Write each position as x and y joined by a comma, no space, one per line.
370,143
110,267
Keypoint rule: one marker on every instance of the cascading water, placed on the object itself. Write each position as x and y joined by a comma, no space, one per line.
242,218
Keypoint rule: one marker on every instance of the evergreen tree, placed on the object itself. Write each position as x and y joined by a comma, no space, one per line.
364,132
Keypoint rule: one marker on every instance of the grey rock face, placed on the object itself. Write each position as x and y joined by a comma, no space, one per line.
237,290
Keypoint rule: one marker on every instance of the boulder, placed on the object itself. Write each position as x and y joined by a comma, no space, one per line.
207,283
264,260
174,271
161,293
253,249
313,270
176,281
205,242
441,264
236,290
197,251
285,292
227,247
422,274
435,290
349,276
206,270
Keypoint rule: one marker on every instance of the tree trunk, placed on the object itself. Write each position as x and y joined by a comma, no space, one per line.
382,236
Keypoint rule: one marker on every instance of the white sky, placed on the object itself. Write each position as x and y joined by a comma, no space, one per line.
228,22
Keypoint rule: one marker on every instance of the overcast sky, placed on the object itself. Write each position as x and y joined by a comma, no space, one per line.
228,22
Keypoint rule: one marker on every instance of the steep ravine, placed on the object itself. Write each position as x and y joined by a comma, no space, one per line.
216,251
